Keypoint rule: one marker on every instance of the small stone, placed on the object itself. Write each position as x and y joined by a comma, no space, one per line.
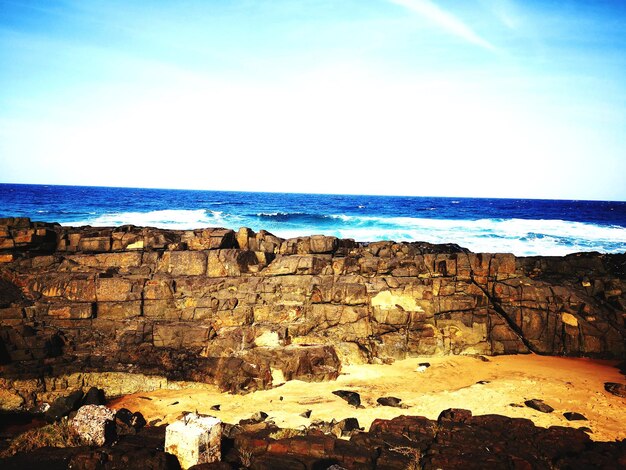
616,389
40,409
389,401
306,414
94,424
215,407
573,416
482,382
256,418
422,366
259,416
353,398
539,405
346,427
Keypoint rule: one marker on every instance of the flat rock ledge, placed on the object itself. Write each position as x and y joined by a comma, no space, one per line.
244,310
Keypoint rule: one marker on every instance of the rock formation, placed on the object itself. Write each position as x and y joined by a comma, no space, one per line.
239,308
457,439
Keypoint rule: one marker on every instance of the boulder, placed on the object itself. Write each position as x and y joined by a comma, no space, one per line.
94,396
94,424
194,439
127,422
63,406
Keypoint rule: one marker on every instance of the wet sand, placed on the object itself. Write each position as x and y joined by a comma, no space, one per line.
566,384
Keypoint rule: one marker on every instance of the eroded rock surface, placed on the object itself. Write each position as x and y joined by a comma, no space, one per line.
455,440
237,308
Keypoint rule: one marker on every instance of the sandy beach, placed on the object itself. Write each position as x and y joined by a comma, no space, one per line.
506,382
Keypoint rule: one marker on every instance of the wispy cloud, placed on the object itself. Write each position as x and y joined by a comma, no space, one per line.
446,21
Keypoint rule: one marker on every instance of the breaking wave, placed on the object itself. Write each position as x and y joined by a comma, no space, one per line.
519,236
519,226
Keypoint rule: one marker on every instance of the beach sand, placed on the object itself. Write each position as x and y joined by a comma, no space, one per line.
566,384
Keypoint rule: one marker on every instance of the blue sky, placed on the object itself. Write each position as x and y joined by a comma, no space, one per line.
493,98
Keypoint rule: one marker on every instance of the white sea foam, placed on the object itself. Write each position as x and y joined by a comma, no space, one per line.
172,219
519,236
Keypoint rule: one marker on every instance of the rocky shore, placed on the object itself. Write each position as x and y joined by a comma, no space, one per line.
134,309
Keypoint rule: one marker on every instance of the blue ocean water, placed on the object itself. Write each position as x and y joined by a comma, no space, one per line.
519,226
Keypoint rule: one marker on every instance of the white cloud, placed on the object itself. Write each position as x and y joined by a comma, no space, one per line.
445,21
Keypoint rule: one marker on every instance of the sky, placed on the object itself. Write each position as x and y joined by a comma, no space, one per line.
472,98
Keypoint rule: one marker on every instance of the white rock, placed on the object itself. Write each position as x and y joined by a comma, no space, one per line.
194,439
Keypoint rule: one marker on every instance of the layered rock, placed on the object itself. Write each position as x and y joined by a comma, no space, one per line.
235,308
455,440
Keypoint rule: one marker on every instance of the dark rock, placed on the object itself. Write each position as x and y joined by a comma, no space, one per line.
353,398
63,406
455,415
215,407
482,382
124,415
306,414
616,389
347,426
539,405
127,422
94,396
256,418
138,421
573,416
389,401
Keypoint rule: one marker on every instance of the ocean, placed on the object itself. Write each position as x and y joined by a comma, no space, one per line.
524,227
